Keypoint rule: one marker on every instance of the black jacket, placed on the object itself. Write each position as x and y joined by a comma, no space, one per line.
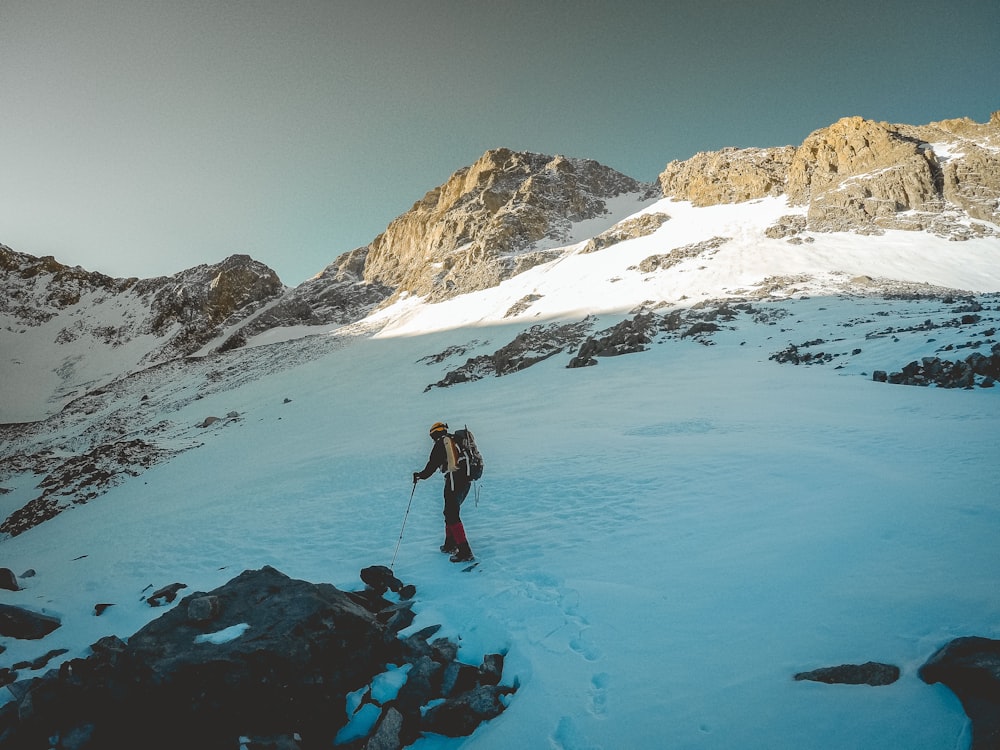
439,460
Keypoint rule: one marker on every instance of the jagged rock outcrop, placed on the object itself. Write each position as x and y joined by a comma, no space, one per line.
35,290
534,345
862,176
264,656
195,306
180,313
629,229
732,175
465,235
977,368
858,173
77,479
969,155
865,176
660,261
338,295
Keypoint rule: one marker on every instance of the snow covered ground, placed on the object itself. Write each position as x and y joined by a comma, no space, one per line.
665,539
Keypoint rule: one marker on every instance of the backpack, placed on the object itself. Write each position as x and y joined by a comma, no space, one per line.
466,443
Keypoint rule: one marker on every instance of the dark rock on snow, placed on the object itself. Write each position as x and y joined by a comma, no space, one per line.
8,580
977,368
869,673
16,622
970,667
264,661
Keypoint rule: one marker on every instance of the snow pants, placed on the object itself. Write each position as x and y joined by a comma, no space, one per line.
456,489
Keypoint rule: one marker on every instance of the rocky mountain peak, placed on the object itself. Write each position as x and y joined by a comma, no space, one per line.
862,176
192,307
37,289
464,235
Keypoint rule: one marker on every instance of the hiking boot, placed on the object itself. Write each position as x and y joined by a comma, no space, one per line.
462,554
450,545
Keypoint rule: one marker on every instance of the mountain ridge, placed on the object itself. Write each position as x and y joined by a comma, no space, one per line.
495,219
718,390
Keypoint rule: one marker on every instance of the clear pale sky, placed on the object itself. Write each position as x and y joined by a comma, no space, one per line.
142,137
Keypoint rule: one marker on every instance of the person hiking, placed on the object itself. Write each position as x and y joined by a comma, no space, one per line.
445,456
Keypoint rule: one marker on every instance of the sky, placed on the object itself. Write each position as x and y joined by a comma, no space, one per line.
141,138
664,539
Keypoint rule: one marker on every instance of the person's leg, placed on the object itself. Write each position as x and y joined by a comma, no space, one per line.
463,553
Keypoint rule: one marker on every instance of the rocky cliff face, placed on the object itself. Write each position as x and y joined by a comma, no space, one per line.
180,313
338,295
862,176
193,307
728,176
67,331
477,228
36,290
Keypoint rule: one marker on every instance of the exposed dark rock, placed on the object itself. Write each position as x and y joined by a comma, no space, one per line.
628,337
704,249
165,595
204,608
528,348
273,666
970,667
459,716
381,579
869,673
16,622
336,296
41,661
82,477
8,580
977,368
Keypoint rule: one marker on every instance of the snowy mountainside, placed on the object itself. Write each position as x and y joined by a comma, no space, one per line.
696,483
690,277
664,538
65,331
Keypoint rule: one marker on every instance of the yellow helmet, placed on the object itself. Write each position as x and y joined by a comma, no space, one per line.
438,429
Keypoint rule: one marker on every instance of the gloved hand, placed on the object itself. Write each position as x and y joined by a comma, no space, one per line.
416,477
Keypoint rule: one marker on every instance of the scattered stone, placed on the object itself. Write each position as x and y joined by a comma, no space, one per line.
869,673
977,368
100,609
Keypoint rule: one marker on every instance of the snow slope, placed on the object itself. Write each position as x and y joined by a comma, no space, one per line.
665,538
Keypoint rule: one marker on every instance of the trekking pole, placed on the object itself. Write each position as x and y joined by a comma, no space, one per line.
405,516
